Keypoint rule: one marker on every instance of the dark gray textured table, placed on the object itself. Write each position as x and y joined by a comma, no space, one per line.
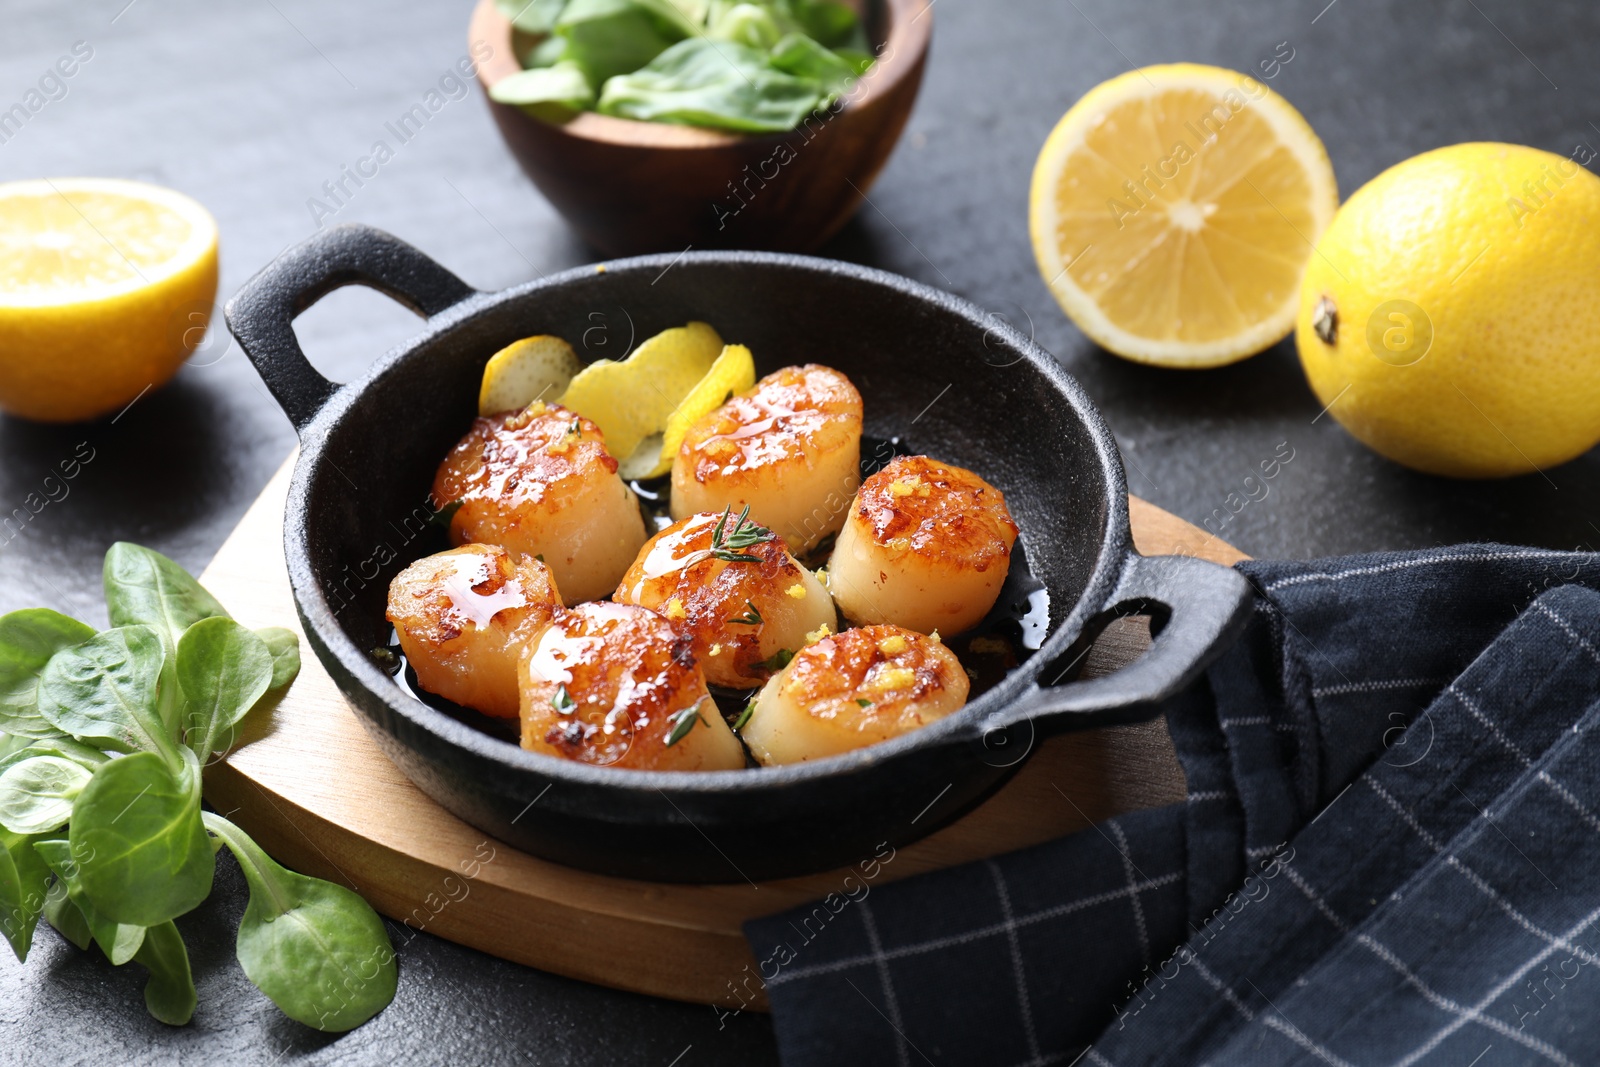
252,106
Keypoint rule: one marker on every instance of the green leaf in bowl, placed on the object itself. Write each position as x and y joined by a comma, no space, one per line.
799,55
702,82
531,16
832,24
610,37
751,25
552,93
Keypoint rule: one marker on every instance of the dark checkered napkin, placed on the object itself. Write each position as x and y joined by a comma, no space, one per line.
1416,917
1388,854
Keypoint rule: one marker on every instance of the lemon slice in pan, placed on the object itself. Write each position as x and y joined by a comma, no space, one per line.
632,400
534,368
732,373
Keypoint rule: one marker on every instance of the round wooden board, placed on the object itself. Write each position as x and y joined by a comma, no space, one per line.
309,784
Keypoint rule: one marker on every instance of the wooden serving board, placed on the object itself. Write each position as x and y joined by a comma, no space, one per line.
310,785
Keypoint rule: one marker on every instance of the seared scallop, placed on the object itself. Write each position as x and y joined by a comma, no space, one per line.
735,589
540,482
463,618
614,685
926,546
854,689
790,448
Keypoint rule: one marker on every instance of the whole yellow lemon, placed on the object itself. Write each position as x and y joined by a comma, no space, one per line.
1449,316
106,286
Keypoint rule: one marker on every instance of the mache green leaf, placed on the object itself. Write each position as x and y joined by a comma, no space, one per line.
531,16
143,856
169,994
284,645
86,756
748,24
105,690
145,588
223,669
804,58
24,886
119,941
36,794
552,93
610,37
65,916
715,84
28,639
830,23
316,949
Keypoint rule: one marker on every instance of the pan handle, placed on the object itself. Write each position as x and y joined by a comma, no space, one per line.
262,313
1206,606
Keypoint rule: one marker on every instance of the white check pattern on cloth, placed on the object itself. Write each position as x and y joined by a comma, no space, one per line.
1519,804
792,974
1409,564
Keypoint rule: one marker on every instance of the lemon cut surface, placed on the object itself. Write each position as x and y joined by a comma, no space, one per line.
106,286
1173,210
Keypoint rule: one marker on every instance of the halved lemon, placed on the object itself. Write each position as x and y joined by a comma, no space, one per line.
1173,210
106,286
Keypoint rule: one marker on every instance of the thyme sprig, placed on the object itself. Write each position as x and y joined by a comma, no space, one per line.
683,721
727,544
749,710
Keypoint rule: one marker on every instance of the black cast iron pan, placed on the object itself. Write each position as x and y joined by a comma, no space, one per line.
358,506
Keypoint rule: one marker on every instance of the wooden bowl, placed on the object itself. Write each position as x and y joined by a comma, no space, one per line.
629,187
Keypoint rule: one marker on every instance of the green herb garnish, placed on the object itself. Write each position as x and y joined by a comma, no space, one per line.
749,618
443,517
749,710
682,722
780,659
726,544
863,702
386,658
111,850
562,701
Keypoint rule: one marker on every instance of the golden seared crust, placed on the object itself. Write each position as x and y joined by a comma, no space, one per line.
904,678
678,575
516,466
792,412
944,514
462,618
602,681
439,597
